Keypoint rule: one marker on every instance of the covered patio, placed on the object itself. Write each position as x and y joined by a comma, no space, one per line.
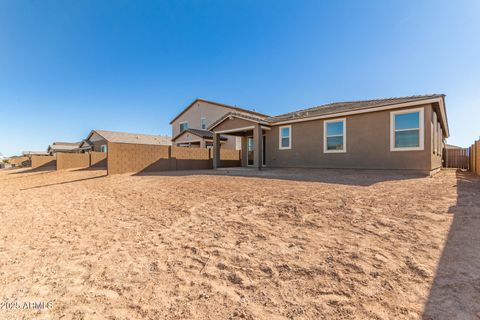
253,132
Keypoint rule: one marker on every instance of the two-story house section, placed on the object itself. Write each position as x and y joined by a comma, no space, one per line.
190,126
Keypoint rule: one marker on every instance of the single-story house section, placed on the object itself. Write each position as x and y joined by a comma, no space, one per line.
197,138
98,139
68,147
199,115
34,153
396,133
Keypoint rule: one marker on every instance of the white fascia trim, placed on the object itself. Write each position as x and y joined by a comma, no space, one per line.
443,113
341,114
289,137
325,150
236,129
421,135
238,117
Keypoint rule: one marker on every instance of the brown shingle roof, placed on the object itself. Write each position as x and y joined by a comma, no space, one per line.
127,137
337,107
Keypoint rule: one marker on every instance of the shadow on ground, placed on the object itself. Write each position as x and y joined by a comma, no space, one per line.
334,176
455,293
33,170
63,182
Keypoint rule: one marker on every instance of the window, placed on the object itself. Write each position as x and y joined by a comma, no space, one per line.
334,133
406,130
203,123
238,143
285,137
183,126
103,148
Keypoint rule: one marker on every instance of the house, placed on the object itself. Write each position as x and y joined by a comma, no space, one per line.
68,147
396,133
34,153
189,127
98,140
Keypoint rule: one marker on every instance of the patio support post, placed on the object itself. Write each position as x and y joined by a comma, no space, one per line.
216,150
202,143
258,147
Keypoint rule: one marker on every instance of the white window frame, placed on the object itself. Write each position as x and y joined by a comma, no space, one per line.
203,121
180,125
103,148
289,137
325,146
421,129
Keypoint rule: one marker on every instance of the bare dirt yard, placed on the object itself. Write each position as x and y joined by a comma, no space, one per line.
301,244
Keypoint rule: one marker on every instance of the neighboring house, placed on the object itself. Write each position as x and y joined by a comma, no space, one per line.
34,153
68,147
98,140
189,127
396,133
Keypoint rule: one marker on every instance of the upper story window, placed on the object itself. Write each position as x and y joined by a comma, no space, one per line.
334,136
406,130
285,137
203,123
183,126
103,148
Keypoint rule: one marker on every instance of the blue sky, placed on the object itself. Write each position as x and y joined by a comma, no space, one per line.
69,66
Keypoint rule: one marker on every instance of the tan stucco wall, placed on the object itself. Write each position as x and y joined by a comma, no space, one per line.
436,157
234,123
368,144
210,112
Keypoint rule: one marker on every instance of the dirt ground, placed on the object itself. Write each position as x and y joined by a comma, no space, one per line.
311,244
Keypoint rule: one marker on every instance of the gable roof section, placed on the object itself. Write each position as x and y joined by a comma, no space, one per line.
231,115
127,137
339,109
220,105
204,134
362,106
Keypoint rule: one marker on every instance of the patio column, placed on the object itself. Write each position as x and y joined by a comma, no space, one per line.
244,151
202,143
258,147
216,150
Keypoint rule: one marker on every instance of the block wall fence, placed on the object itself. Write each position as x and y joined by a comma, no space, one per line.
136,158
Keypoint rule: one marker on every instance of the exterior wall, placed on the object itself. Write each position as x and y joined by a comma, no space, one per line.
97,141
98,159
210,112
127,157
19,161
44,162
190,158
367,145
235,123
435,132
72,160
135,158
